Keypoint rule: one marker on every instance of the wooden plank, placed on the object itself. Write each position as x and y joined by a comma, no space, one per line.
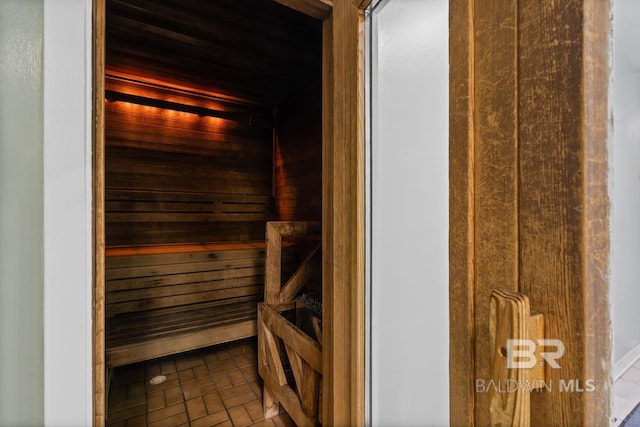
307,348
129,330
287,397
308,268
132,217
181,343
307,381
99,371
508,319
139,324
173,254
563,218
168,196
343,211
318,9
495,136
184,268
182,289
597,43
121,234
270,403
273,265
222,295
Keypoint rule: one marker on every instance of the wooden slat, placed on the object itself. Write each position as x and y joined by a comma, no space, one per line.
117,356
318,9
227,296
288,397
130,329
184,268
308,267
307,348
307,380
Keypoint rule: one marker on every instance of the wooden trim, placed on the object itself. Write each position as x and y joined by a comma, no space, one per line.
461,212
595,75
318,9
343,215
99,372
343,212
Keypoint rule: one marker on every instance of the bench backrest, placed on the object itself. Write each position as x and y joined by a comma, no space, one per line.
214,275
155,217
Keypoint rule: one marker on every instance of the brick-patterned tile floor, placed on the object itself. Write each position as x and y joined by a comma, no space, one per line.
216,386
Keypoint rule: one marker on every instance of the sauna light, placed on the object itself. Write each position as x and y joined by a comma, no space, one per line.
112,95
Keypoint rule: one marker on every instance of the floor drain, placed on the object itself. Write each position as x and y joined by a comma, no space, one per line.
159,379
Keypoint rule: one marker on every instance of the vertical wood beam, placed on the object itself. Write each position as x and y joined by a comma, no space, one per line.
596,70
99,375
461,213
563,81
495,157
343,213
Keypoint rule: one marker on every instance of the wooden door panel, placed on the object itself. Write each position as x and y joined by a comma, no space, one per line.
528,186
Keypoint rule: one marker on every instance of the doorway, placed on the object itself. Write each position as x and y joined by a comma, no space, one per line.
212,126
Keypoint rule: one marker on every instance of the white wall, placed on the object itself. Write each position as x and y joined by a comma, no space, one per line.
21,213
409,209
625,175
67,213
45,217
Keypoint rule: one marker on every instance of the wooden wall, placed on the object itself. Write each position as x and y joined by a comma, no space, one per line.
298,157
161,150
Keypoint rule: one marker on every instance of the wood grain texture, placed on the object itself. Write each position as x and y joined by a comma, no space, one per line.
552,176
179,39
163,303
495,171
165,153
298,157
553,226
461,213
316,8
343,207
596,71
100,380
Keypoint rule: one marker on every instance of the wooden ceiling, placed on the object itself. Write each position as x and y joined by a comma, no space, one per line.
256,51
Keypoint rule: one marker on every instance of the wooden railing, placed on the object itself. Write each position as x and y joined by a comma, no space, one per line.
289,360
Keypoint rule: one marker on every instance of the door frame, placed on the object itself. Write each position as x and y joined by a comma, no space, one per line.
528,193
342,198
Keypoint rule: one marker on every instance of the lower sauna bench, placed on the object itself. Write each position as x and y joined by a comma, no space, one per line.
168,299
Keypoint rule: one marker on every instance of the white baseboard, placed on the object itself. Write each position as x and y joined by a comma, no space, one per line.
621,366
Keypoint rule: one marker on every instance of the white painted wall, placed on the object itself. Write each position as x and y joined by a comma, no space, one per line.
45,215
409,210
625,195
21,213
68,393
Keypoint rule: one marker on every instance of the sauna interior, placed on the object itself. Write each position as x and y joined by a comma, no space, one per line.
213,128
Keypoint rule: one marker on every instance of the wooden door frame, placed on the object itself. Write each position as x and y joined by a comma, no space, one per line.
343,207
528,192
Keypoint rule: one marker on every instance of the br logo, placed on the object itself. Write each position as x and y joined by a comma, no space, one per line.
521,353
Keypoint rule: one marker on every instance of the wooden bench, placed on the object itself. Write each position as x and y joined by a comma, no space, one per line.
163,297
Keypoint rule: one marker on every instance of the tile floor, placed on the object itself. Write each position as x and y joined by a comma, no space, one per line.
220,386
217,386
626,393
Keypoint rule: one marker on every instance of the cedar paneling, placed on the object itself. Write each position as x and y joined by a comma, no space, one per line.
298,158
253,50
169,153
